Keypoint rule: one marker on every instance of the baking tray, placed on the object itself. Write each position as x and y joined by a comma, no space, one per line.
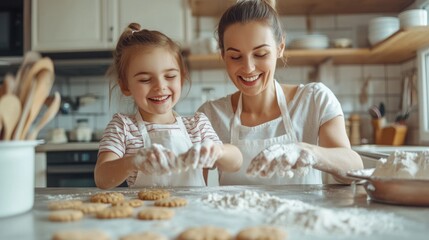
410,192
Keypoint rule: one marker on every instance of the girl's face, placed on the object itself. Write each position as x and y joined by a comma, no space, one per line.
250,54
154,81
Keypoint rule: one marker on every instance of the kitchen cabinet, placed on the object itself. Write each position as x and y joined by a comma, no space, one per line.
71,25
95,25
398,48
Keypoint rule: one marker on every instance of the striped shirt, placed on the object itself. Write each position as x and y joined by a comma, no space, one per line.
122,135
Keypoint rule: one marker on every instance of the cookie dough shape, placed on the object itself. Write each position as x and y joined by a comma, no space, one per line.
80,234
131,203
115,212
155,213
262,232
108,197
143,236
171,202
153,194
205,233
67,215
64,204
89,208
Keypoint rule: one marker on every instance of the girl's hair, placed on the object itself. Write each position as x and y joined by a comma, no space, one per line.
132,38
245,11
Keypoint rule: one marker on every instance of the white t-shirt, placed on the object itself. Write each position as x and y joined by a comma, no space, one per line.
122,135
312,106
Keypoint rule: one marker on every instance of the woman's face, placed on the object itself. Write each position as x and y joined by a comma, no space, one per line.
250,54
154,81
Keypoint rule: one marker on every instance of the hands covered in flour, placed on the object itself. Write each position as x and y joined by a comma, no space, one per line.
283,159
155,159
201,155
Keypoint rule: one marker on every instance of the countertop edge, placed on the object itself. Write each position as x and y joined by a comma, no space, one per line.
78,146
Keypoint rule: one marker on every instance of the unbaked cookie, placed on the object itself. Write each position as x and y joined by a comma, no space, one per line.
89,234
88,208
115,212
64,204
262,232
171,202
108,197
65,215
155,213
153,194
205,233
131,203
143,236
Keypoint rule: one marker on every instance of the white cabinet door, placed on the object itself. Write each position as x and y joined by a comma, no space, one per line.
166,16
70,25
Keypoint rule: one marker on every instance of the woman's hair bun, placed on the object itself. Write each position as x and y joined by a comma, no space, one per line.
134,26
272,3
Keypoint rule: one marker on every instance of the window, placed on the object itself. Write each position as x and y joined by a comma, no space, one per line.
423,62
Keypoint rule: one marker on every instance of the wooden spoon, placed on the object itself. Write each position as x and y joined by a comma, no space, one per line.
10,112
25,111
44,63
49,114
44,82
29,59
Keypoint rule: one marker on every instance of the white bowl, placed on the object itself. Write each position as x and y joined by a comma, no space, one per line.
413,18
381,28
342,42
310,41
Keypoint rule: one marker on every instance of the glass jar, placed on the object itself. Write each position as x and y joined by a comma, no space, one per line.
83,131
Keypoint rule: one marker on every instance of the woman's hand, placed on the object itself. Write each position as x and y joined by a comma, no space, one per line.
201,155
155,159
283,159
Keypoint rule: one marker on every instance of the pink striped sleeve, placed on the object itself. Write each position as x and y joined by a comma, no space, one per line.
113,139
200,128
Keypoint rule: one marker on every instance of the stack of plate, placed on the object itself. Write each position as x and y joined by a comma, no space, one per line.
310,41
381,28
412,18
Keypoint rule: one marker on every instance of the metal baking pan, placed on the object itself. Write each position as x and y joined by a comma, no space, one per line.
410,192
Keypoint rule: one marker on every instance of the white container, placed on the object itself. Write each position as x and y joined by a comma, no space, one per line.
413,18
16,177
381,28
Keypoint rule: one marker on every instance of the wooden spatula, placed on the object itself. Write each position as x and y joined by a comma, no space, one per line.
44,82
49,114
10,112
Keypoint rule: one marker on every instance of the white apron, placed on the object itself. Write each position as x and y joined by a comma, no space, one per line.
178,141
251,147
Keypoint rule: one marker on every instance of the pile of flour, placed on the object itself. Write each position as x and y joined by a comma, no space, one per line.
305,217
404,165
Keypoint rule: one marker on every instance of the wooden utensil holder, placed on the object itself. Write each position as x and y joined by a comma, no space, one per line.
393,134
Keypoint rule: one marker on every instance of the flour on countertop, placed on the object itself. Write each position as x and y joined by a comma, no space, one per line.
404,165
310,218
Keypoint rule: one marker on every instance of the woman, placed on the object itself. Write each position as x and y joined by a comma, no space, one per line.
277,127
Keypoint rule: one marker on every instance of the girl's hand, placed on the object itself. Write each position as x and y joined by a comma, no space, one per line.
155,160
201,155
283,159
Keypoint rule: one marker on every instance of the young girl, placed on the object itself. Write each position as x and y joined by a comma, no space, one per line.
155,146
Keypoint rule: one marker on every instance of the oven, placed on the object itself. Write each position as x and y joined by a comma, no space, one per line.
70,168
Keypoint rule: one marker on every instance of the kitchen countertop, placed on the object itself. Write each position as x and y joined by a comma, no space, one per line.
72,146
408,222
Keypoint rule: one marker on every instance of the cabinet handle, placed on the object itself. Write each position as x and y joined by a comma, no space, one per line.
110,39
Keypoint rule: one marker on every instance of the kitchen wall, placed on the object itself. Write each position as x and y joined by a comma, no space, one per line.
346,81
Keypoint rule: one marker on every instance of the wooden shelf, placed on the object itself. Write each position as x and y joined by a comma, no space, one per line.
305,7
398,48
